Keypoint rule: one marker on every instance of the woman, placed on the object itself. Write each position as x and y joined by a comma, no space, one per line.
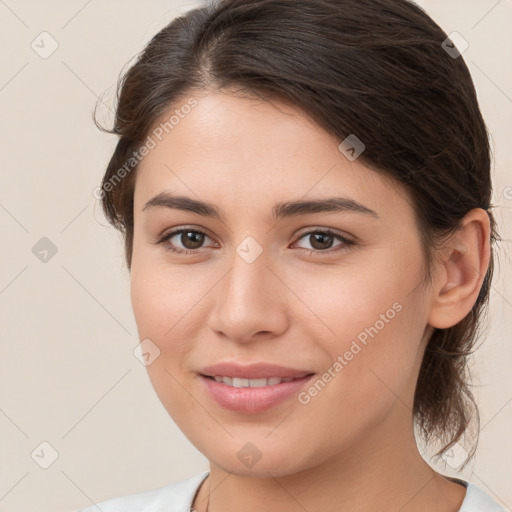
304,192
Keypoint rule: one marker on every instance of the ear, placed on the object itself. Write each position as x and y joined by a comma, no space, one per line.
461,271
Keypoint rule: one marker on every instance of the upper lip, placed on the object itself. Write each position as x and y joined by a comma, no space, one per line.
252,371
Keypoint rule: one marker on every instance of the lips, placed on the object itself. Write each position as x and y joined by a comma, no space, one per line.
252,371
254,388
237,382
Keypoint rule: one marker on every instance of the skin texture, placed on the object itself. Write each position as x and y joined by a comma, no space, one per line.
352,446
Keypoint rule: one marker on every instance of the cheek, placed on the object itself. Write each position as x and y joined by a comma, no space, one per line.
168,307
373,319
163,298
371,370
165,315
360,301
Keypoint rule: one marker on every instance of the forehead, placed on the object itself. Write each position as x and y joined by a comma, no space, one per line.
245,150
223,125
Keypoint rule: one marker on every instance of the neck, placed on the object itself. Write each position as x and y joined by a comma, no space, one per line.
383,472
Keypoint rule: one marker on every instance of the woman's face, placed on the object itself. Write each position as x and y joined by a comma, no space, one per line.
271,284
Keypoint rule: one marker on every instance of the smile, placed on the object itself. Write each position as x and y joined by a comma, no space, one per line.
252,396
237,382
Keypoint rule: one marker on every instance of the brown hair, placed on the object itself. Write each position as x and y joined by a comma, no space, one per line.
374,68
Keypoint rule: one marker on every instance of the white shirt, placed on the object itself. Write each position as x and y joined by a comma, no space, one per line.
179,496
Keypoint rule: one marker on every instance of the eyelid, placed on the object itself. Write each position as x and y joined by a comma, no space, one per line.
322,229
175,230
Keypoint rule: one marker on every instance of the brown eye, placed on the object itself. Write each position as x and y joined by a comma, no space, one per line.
322,241
190,239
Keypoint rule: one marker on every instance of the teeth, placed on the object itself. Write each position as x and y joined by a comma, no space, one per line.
251,383
255,383
239,383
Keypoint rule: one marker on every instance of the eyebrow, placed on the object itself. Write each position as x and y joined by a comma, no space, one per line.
279,210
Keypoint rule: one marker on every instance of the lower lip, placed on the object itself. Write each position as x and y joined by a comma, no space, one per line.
253,400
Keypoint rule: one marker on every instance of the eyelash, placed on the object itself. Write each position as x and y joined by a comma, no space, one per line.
346,243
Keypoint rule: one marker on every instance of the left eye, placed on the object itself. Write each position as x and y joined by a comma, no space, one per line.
192,240
195,240
322,240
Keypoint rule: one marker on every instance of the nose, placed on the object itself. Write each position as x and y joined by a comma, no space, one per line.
250,301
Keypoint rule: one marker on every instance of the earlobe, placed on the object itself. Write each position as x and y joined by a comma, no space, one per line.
462,270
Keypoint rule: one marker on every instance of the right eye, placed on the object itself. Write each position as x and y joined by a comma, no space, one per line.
190,238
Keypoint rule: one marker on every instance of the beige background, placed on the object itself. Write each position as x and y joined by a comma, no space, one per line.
68,376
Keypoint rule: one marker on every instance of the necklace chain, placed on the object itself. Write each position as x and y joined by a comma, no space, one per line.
209,492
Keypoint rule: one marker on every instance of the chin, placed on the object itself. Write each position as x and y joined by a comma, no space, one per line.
260,469
261,462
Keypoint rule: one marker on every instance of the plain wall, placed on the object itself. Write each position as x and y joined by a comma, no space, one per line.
68,375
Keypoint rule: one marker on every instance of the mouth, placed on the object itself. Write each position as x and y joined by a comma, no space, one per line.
252,388
238,382
239,373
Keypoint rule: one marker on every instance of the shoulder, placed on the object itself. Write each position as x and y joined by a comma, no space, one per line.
477,500
177,497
